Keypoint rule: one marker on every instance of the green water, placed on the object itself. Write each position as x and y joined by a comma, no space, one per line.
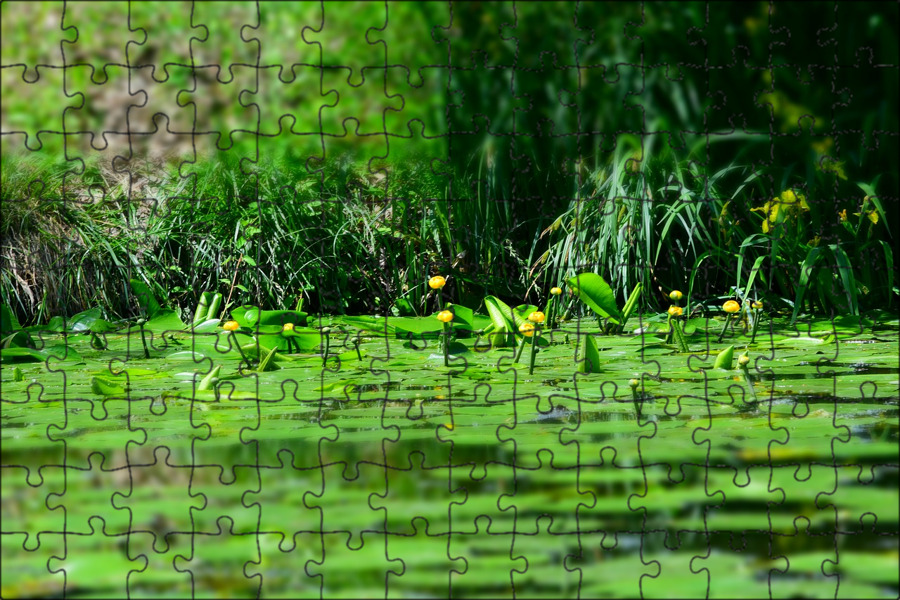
387,472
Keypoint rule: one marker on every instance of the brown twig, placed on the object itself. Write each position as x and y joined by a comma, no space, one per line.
233,280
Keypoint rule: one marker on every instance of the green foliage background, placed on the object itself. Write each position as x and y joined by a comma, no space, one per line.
492,142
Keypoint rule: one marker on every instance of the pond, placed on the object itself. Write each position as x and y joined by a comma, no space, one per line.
384,471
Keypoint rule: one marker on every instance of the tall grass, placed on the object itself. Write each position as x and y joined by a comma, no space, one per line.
345,239
665,223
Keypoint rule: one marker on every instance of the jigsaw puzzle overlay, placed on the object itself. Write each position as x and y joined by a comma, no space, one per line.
480,299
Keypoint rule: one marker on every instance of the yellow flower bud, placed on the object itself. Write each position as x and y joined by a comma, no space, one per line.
556,291
231,326
536,317
731,306
757,305
634,383
743,360
675,311
526,329
288,327
436,282
445,316
675,295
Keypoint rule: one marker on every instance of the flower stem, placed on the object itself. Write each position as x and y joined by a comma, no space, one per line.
521,347
533,351
679,336
755,325
636,401
749,382
724,328
325,332
144,340
446,344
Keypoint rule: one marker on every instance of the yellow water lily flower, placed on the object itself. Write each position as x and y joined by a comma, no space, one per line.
231,326
445,316
288,327
536,317
526,329
731,307
757,305
675,295
556,291
675,311
436,282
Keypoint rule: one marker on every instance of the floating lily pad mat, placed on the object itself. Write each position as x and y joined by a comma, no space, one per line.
644,470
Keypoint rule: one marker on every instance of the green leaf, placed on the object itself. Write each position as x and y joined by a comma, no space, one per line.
165,319
202,308
463,317
306,338
753,272
8,321
268,363
596,293
209,382
251,316
404,307
19,339
591,363
694,270
214,305
805,272
847,278
20,355
23,355
205,326
725,359
888,261
88,320
503,320
145,298
500,313
520,314
631,303
368,323
106,387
